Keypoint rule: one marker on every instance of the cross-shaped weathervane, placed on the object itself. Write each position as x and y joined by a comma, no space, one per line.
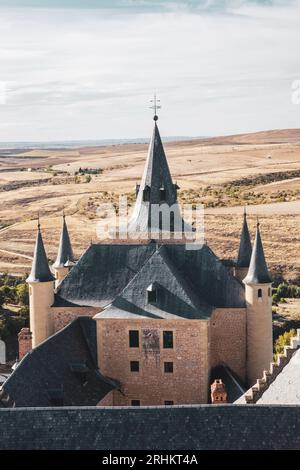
155,106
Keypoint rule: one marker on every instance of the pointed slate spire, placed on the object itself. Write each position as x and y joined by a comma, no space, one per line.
40,271
65,252
245,248
258,272
156,186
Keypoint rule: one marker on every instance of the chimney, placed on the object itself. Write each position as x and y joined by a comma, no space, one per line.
25,342
218,392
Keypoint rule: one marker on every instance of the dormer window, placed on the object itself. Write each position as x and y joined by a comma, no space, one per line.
151,294
146,194
162,194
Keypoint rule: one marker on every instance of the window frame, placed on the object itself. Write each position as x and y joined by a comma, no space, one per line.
133,364
130,339
165,332
166,365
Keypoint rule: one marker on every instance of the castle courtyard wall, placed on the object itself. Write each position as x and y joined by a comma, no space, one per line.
228,339
152,385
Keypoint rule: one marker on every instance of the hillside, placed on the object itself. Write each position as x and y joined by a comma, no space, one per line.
261,170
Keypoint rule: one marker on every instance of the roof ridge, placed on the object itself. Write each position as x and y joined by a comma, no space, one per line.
196,303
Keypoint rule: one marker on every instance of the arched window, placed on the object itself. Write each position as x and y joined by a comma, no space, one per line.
259,293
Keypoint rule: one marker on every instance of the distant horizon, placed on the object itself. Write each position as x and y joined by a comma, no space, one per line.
132,140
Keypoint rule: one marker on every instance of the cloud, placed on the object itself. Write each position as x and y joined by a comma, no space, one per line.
84,73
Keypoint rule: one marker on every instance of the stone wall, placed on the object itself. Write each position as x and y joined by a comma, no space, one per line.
62,316
152,385
228,339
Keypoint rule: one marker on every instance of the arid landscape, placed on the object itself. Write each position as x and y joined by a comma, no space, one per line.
260,170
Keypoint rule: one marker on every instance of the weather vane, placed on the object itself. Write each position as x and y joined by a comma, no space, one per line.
155,106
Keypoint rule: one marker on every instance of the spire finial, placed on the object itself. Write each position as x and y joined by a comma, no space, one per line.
257,221
155,106
38,219
63,213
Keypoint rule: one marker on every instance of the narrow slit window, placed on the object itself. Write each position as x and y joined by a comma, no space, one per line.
259,293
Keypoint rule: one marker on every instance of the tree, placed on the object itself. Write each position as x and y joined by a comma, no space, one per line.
22,293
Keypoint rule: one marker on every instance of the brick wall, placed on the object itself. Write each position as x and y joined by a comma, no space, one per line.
25,342
151,385
228,339
62,316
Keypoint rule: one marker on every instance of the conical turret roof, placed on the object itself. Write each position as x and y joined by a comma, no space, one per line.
258,272
65,252
40,271
245,248
156,188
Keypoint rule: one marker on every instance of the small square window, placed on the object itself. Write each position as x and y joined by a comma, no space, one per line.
169,403
135,403
134,366
133,339
168,339
168,367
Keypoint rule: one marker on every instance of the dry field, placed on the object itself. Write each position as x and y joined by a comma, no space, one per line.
261,170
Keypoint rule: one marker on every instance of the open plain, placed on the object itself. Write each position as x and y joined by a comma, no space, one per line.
260,170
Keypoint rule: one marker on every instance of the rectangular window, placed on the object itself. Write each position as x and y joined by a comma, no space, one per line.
169,403
135,403
151,296
134,366
168,339
168,367
133,339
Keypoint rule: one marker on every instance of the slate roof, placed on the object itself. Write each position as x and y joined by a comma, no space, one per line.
65,253
156,177
245,247
63,369
40,271
175,298
233,385
258,272
104,271
285,390
206,427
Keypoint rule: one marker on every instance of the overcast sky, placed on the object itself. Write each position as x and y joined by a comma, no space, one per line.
87,69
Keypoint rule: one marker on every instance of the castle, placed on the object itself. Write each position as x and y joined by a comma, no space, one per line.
169,321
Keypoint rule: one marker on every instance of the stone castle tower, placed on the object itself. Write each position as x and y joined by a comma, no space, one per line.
41,293
258,295
244,304
42,284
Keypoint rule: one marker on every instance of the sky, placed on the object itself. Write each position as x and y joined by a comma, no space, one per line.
86,70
